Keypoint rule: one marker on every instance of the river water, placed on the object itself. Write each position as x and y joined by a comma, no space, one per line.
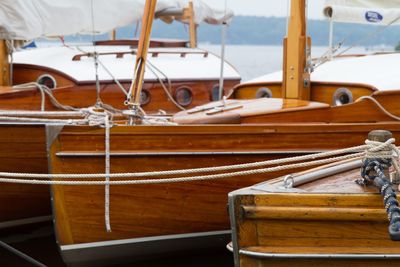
252,61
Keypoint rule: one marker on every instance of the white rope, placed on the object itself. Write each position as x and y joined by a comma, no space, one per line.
40,120
370,147
35,113
107,170
190,171
186,179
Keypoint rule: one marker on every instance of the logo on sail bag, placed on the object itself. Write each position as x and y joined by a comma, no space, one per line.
373,16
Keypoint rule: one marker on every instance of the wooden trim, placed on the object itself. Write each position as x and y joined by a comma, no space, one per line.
4,65
316,213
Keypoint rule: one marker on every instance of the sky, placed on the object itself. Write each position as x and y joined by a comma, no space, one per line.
267,8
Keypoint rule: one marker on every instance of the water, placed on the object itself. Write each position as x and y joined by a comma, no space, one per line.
252,61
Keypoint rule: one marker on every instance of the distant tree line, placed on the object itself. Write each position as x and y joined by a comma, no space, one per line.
268,31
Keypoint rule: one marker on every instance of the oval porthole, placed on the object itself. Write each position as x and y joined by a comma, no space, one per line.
264,92
215,93
145,97
342,96
47,80
184,96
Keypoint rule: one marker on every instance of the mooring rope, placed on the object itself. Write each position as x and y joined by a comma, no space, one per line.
82,179
370,146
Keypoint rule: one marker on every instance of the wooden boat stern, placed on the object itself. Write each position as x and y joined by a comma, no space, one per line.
326,218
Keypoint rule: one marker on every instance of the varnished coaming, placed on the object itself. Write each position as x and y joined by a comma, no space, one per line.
83,94
152,210
271,110
319,91
333,216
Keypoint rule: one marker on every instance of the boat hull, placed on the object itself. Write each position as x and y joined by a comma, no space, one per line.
146,211
340,223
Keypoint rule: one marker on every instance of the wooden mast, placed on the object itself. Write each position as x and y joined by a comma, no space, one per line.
295,77
192,27
141,57
4,64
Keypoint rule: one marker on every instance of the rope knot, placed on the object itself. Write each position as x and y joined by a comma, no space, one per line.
378,157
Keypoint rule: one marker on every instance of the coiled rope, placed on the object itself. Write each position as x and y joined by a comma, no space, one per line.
373,172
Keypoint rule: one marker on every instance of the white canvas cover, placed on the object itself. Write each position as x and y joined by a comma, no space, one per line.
203,12
378,12
29,19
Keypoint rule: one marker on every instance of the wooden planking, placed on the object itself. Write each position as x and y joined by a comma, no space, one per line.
23,149
315,213
314,222
138,211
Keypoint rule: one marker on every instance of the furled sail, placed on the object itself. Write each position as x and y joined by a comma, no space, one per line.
204,13
379,12
29,19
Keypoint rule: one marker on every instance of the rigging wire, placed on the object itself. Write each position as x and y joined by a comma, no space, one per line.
325,57
223,44
95,57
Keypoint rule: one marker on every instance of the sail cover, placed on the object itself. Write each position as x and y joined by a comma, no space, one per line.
29,19
379,12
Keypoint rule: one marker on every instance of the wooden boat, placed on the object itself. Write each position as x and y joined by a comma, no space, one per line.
74,87
323,218
160,218
178,74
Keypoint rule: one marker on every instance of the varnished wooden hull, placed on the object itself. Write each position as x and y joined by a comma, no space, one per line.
164,210
334,222
23,149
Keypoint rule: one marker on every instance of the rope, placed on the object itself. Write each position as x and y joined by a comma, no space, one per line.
45,90
378,162
195,170
168,90
371,147
107,172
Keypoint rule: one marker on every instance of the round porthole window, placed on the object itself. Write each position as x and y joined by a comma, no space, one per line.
264,92
145,97
215,93
342,96
184,96
47,80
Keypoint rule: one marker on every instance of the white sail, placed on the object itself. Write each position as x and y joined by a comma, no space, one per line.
204,13
379,12
29,19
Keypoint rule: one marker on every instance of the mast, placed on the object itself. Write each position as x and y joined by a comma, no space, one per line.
4,64
296,78
189,14
141,57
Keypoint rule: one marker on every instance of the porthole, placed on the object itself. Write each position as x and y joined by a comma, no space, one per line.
145,97
184,96
264,92
215,93
47,80
342,96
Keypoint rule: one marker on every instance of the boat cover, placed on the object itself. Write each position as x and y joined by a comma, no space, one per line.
379,12
29,19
